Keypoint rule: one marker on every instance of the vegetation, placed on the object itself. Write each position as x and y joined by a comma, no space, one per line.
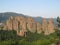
10,38
58,32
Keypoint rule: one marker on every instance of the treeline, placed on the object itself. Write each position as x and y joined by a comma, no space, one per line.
8,34
11,38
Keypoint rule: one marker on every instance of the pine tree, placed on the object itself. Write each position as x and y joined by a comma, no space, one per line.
58,31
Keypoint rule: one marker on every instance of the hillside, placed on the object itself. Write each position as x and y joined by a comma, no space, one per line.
6,15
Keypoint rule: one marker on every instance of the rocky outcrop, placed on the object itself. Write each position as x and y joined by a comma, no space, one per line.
17,23
39,28
9,23
22,25
48,27
45,26
31,24
21,33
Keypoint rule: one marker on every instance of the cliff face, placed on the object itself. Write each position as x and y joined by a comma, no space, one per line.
39,28
22,25
9,23
51,26
45,26
31,24
48,27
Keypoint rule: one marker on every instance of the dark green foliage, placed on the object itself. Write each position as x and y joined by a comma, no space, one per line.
11,38
58,33
33,36
7,35
58,19
58,30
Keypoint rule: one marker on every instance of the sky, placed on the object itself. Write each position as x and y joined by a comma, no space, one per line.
35,8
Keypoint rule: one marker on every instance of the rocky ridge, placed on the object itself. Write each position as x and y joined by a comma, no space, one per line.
23,25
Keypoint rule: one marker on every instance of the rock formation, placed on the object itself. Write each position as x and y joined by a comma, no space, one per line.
45,26
31,24
9,23
21,22
39,28
22,25
50,26
21,33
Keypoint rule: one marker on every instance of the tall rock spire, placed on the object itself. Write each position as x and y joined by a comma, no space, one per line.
31,25
9,23
44,26
51,26
39,28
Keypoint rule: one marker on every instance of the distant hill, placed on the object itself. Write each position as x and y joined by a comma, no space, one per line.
6,15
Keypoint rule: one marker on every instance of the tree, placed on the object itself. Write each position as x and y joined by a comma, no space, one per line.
58,20
58,31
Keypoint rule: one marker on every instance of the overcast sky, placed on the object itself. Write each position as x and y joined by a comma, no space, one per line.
43,8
